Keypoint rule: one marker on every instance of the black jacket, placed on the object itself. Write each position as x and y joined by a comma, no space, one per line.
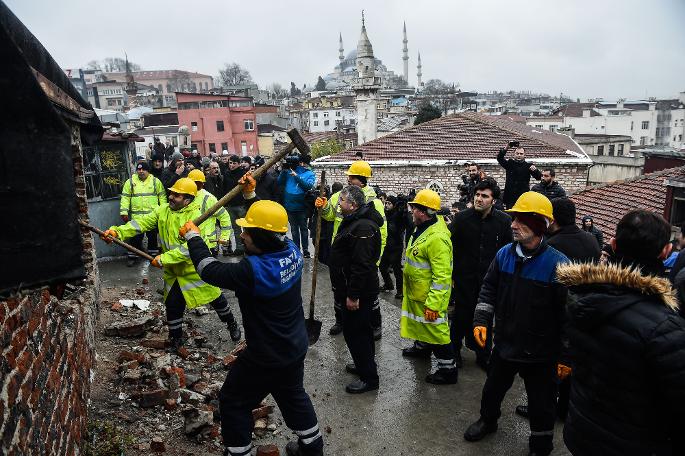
596,232
628,360
266,187
397,225
231,179
215,185
527,303
551,191
576,244
518,176
355,252
169,176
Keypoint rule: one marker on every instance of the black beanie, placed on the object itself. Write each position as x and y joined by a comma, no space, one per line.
143,165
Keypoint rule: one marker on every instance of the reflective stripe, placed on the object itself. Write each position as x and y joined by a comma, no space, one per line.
536,433
223,311
191,285
489,308
126,194
221,211
308,431
309,440
204,203
239,451
136,226
423,320
175,321
141,212
143,194
418,264
201,265
191,234
440,286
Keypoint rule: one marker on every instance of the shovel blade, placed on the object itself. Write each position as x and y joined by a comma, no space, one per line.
313,330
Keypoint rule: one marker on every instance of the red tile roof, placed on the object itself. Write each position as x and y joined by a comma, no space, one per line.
464,136
607,203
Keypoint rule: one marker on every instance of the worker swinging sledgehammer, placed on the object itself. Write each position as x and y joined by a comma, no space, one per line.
182,285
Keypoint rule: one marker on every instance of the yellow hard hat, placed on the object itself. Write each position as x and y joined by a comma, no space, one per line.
197,176
359,168
185,186
427,198
535,203
267,215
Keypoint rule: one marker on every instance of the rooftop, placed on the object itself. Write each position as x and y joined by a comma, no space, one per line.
157,74
607,203
466,136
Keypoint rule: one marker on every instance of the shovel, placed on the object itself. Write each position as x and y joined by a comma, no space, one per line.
314,326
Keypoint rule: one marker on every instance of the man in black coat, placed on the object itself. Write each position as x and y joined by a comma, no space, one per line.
235,207
477,234
548,185
518,173
589,226
354,255
627,347
394,246
174,171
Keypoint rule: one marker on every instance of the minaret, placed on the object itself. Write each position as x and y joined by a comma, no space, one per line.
405,54
366,87
341,55
419,84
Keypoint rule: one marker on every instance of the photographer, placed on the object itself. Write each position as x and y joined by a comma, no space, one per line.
297,178
518,173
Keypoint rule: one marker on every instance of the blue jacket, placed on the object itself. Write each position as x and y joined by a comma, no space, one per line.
528,304
296,187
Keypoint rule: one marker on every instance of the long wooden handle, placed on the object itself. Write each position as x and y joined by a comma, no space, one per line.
297,142
317,242
128,247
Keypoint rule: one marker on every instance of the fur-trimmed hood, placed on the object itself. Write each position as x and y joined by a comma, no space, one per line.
617,275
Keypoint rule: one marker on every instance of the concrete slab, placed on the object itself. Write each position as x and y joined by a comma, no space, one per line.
405,417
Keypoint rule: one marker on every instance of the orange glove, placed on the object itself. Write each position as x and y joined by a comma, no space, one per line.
124,217
563,371
157,262
320,202
109,234
480,333
248,183
430,315
188,227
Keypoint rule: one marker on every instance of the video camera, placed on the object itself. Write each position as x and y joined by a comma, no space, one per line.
291,161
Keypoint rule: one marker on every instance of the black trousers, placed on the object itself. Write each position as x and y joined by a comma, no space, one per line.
461,327
391,258
137,242
176,305
358,333
376,318
444,354
540,383
247,385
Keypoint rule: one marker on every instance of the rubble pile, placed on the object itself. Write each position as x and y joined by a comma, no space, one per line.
164,394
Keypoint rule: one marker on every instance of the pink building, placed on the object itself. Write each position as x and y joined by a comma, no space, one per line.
219,122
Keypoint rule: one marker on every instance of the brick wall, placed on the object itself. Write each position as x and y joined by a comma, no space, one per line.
400,179
48,351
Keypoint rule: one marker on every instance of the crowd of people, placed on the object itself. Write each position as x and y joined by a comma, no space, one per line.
594,330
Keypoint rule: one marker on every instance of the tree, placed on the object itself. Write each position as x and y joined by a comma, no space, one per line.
442,94
320,84
330,146
112,65
180,82
427,112
294,91
233,74
277,90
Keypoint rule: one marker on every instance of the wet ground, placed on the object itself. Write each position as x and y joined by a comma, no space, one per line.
406,416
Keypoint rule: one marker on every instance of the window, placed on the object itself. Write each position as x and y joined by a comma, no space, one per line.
243,147
249,124
159,88
212,147
643,140
620,150
645,125
337,113
105,170
325,114
552,128
612,150
193,146
224,146
600,150
326,122
193,126
631,125
436,187
219,125
316,123
539,126
315,115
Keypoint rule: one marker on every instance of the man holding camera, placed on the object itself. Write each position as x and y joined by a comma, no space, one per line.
297,178
518,173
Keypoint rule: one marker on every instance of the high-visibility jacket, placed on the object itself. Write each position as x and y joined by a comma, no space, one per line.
427,281
141,197
175,259
332,213
208,227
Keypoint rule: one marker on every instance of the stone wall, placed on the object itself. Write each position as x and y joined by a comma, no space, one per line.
48,351
401,179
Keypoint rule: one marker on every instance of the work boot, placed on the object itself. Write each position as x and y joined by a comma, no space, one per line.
359,386
234,330
443,377
522,410
387,287
175,343
306,254
294,449
337,328
479,429
377,333
350,368
415,351
130,261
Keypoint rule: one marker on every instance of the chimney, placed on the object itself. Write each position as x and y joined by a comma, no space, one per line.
586,112
652,105
619,103
681,98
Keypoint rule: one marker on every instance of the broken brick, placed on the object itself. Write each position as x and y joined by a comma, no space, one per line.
268,450
157,445
170,404
117,307
262,412
132,328
130,356
183,352
147,399
211,359
158,344
229,360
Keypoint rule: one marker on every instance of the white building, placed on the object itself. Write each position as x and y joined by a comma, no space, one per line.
366,88
329,119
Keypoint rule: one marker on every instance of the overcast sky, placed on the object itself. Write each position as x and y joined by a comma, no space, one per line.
583,48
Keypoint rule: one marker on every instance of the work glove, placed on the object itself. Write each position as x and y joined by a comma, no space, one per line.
157,262
430,315
563,371
480,333
189,230
109,234
248,183
124,217
320,202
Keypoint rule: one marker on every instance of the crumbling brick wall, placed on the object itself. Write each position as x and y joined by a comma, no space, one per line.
47,355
